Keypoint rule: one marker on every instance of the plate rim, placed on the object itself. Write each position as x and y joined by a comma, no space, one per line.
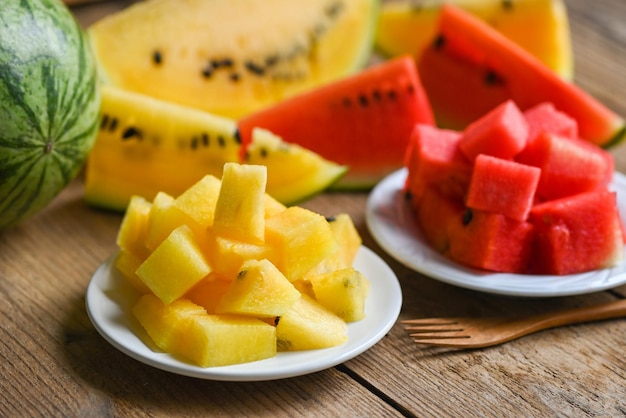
105,307
382,221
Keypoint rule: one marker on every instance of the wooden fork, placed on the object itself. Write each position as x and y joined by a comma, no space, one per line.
484,332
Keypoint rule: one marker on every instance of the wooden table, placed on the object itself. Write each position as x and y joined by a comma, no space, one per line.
54,363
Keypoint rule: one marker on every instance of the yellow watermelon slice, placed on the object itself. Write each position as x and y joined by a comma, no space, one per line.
231,57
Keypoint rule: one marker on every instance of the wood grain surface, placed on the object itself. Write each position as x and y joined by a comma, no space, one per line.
53,363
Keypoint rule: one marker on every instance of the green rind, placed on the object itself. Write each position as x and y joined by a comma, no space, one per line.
49,104
617,138
324,180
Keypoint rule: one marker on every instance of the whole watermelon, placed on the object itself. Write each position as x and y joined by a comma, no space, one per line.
49,104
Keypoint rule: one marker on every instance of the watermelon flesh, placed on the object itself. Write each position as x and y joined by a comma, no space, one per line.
545,117
363,121
436,213
502,186
491,241
471,68
506,124
545,210
568,165
577,233
434,153
232,57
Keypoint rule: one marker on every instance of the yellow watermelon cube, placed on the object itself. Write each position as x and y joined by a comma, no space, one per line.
260,290
308,325
208,291
164,323
301,240
304,286
220,340
240,208
175,266
343,292
272,206
226,255
349,242
347,236
131,236
164,218
128,263
199,200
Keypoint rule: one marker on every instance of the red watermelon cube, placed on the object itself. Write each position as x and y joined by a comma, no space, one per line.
568,165
546,117
491,241
433,157
502,186
435,214
502,132
577,233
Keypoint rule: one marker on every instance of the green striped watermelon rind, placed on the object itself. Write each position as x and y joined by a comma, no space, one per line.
617,138
49,104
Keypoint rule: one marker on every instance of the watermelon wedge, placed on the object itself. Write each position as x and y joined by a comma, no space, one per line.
471,68
363,121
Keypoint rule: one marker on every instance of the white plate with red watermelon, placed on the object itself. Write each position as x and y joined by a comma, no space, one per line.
390,220
110,298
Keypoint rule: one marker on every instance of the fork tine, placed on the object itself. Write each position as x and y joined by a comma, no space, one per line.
451,342
437,335
434,330
430,321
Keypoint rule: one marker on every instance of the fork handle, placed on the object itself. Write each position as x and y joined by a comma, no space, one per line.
592,313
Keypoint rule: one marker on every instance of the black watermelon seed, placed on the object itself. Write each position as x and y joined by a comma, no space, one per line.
205,139
254,68
222,63
207,72
237,136
467,217
334,10
331,219
416,6
104,122
221,141
408,195
194,142
272,60
157,58
263,152
234,77
131,132
492,78
439,42
363,100
391,94
376,95
113,125
507,5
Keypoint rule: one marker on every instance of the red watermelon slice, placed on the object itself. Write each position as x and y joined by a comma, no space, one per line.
363,121
471,68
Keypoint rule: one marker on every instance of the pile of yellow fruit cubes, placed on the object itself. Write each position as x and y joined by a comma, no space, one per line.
228,275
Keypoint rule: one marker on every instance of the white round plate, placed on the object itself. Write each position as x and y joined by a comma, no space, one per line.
110,298
390,220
